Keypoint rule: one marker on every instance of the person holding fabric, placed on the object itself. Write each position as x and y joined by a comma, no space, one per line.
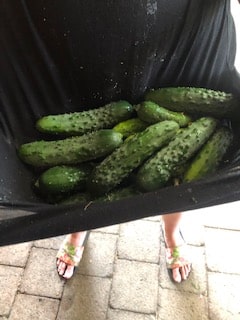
61,56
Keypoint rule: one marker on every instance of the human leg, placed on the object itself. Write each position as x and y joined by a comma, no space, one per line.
70,253
175,247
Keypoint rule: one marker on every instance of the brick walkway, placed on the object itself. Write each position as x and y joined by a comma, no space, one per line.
123,276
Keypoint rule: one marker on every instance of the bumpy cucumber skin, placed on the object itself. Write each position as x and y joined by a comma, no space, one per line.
151,112
201,101
78,123
120,163
118,194
62,179
156,171
80,197
130,126
210,155
72,150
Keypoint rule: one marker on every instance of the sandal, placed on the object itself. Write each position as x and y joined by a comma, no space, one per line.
70,255
177,257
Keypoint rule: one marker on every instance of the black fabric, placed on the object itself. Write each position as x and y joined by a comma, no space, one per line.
60,56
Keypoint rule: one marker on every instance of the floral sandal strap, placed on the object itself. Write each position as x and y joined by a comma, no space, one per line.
70,254
177,257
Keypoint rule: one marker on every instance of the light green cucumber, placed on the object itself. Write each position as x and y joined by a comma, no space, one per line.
131,154
73,150
210,155
156,171
78,123
196,101
130,126
63,179
151,112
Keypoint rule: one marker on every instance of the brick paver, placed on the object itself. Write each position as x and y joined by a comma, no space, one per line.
29,307
40,276
85,298
10,278
140,240
224,296
15,255
127,315
134,286
176,304
222,244
99,256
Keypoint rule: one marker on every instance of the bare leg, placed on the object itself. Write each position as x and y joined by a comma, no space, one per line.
76,240
173,239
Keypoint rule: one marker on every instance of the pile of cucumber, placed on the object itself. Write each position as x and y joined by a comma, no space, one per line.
118,150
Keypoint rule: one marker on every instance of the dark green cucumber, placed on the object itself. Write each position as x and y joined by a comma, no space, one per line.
78,123
72,150
210,155
151,112
47,197
156,171
62,179
76,198
122,161
117,194
130,126
196,101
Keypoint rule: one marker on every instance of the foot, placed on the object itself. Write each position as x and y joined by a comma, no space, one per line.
70,254
178,263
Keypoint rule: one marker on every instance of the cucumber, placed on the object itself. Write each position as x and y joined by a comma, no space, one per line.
130,126
151,112
73,150
156,171
127,157
117,194
78,123
196,101
76,198
62,179
47,197
210,155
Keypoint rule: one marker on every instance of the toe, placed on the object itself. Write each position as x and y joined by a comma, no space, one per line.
185,270
177,277
68,272
61,267
64,270
182,273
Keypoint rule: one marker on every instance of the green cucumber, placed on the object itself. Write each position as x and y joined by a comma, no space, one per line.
78,123
196,101
156,171
73,150
210,155
117,194
62,179
76,198
151,112
130,126
47,197
127,157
